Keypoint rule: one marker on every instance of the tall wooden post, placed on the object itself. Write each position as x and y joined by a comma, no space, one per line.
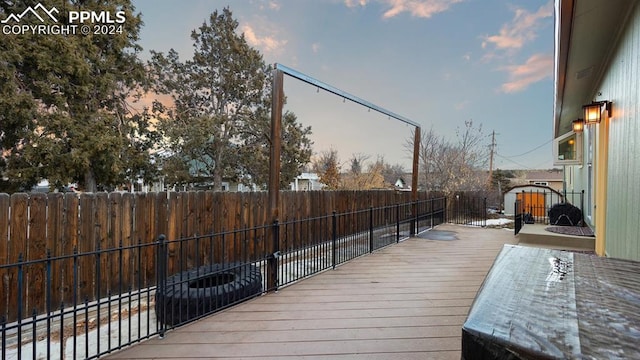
414,178
277,97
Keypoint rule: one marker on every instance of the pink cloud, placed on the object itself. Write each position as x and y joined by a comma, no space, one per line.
273,5
267,44
521,29
538,67
354,3
417,8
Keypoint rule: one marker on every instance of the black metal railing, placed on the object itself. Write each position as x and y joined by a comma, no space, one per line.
467,209
518,217
533,206
94,303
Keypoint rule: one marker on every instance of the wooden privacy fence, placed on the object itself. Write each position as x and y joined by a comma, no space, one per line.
103,243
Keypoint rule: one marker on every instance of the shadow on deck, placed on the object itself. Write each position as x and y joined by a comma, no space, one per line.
405,301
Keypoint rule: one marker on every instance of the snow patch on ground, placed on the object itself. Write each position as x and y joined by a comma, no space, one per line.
498,222
491,222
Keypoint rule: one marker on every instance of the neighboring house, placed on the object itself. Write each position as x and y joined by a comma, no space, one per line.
307,182
43,186
596,60
401,184
235,186
552,178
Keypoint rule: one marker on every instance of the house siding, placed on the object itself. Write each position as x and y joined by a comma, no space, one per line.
620,85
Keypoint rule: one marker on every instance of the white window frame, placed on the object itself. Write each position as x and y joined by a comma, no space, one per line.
578,146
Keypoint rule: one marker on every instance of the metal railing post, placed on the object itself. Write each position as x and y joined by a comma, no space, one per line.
582,204
431,213
98,293
515,218
20,302
414,219
272,263
48,295
334,238
519,216
3,328
371,229
484,212
161,277
397,223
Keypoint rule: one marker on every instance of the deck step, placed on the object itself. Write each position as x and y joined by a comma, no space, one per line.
536,235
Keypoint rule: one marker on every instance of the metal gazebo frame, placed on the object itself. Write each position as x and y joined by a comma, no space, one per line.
277,100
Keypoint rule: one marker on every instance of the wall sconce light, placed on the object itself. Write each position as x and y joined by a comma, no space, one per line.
593,112
577,125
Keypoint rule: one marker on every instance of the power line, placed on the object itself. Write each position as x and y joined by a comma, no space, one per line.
536,167
532,150
514,162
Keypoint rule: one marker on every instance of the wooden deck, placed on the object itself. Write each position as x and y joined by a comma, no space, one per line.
407,301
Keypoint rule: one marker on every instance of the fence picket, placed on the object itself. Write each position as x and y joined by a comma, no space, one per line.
206,227
174,230
114,240
55,230
71,225
86,244
36,250
17,248
5,201
128,240
101,236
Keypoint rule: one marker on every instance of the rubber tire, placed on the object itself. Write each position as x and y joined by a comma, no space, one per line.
194,293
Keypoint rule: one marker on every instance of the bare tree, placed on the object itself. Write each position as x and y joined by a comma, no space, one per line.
452,166
357,161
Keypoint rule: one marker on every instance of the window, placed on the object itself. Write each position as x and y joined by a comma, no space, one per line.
567,149
543,183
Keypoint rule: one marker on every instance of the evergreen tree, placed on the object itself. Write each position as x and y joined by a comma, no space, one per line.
255,150
218,123
64,102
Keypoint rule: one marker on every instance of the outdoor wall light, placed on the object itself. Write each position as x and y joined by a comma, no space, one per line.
577,125
593,112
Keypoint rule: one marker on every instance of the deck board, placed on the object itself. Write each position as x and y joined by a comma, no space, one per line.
407,301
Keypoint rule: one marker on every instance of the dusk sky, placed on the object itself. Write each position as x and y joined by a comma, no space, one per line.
436,62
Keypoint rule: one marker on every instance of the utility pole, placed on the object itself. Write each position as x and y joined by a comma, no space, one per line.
493,145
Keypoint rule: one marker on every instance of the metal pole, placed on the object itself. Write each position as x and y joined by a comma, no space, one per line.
277,96
414,177
334,238
161,281
371,229
484,212
397,223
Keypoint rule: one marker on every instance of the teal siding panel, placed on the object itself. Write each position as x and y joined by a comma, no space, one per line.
620,85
